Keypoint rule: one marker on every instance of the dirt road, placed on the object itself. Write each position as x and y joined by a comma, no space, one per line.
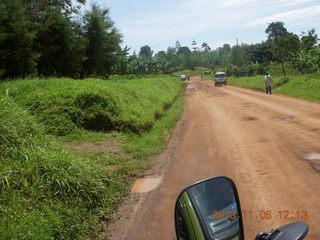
260,141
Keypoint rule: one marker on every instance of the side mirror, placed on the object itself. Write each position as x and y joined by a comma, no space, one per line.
209,209
295,230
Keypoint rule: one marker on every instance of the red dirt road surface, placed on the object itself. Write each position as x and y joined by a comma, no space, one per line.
268,144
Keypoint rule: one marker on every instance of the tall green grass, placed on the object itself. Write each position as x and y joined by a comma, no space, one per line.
302,86
66,105
153,141
48,192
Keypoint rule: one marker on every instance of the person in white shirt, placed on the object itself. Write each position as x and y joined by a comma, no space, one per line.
268,81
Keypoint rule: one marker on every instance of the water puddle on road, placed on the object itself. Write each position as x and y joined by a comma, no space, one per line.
191,86
314,159
285,117
146,184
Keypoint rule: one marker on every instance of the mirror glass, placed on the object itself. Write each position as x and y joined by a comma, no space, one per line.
209,210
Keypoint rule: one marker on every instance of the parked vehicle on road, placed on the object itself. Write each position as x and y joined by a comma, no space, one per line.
183,77
210,210
220,78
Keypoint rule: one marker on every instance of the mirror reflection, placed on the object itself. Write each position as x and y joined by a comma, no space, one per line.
213,205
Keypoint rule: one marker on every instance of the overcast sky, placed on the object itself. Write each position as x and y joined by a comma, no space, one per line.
160,23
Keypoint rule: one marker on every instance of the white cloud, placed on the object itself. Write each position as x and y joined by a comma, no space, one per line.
205,5
236,3
217,21
287,3
288,17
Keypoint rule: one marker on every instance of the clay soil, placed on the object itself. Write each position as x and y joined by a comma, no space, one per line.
258,140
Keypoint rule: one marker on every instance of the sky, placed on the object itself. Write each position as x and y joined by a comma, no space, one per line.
160,23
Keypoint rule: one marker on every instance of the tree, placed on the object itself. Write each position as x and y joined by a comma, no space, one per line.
53,42
178,45
309,41
276,30
38,8
184,57
16,40
259,52
103,41
283,47
282,43
205,47
171,55
164,63
145,51
222,55
238,56
123,60
194,45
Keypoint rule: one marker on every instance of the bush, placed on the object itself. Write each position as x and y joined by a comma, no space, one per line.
46,192
281,82
95,104
246,70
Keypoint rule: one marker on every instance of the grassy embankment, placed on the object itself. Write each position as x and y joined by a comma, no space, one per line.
301,86
51,185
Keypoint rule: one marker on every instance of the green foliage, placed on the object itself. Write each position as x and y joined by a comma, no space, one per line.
246,70
46,192
238,56
282,81
103,42
145,51
196,71
46,37
276,30
302,86
154,141
183,58
283,43
249,82
308,42
95,104
16,38
61,53
306,61
51,38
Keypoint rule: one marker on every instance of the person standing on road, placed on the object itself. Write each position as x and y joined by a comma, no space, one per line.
268,81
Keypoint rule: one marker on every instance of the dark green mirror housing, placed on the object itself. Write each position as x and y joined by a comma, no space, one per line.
209,210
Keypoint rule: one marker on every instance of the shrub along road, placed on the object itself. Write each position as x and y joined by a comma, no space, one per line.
260,141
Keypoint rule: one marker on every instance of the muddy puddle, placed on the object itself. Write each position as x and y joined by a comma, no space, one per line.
191,86
314,159
285,117
146,184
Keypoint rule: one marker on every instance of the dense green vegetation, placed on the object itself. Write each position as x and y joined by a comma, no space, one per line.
54,39
54,192
95,104
68,148
302,86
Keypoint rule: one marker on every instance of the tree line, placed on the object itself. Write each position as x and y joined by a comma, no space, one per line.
281,50
52,38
